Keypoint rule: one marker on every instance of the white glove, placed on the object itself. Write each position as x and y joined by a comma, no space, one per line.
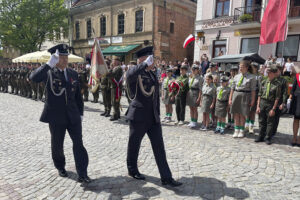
288,105
81,117
54,59
149,61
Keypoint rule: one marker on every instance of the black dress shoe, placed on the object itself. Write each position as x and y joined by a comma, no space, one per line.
268,141
171,182
107,115
62,173
259,139
103,114
84,179
137,176
113,118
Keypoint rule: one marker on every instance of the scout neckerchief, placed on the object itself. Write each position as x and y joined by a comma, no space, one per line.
167,82
241,81
192,81
118,91
220,94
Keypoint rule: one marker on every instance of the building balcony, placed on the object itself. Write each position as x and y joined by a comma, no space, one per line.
247,17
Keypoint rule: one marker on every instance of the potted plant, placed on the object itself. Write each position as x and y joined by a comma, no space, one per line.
246,18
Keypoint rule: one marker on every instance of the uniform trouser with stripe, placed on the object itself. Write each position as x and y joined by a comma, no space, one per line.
154,132
58,132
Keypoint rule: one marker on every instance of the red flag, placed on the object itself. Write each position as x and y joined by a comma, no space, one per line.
274,22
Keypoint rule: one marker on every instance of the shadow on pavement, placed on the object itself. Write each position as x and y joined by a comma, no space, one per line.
206,188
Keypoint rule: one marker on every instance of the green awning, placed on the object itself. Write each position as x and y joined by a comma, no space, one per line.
119,50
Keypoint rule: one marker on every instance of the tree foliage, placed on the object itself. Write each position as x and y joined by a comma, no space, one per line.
26,24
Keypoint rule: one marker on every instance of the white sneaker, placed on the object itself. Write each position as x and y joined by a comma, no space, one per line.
193,125
235,134
180,123
164,119
251,130
168,120
190,124
241,134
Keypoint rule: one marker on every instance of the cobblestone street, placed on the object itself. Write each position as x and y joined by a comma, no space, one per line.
210,166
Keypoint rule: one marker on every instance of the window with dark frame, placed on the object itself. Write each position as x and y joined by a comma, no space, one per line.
139,20
249,45
103,26
121,21
172,24
219,46
296,2
222,8
77,29
89,28
291,48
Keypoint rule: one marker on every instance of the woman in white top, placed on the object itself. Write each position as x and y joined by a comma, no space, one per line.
288,68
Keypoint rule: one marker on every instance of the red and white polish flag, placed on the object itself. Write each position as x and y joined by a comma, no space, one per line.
188,40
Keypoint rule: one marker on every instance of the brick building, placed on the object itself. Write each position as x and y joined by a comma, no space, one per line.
124,26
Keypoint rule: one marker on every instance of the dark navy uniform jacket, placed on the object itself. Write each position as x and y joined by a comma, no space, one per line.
143,108
66,108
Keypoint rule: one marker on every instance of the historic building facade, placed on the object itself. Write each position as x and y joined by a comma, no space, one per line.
124,26
233,27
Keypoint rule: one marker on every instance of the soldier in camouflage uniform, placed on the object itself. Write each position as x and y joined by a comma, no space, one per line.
83,78
268,98
5,79
34,85
1,81
116,78
28,82
106,93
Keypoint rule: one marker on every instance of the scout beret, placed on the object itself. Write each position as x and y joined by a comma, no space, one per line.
184,67
272,68
255,64
169,70
62,49
147,51
224,79
195,67
212,65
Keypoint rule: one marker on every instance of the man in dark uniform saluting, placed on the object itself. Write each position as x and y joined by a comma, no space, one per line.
143,115
63,109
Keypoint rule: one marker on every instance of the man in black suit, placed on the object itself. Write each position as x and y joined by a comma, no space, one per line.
143,115
63,109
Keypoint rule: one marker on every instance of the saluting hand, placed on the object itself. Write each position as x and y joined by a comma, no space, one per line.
54,59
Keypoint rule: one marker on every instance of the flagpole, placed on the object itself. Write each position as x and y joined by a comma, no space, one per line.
286,27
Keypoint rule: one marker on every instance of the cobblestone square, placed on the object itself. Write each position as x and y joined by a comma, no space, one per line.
210,166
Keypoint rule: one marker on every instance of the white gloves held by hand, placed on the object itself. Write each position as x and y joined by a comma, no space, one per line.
149,61
54,59
288,105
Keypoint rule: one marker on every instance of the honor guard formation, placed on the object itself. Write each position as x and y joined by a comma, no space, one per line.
229,100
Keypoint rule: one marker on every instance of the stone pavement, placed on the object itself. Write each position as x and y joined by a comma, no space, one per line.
210,166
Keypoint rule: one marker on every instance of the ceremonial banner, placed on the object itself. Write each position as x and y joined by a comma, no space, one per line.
98,67
274,23
188,40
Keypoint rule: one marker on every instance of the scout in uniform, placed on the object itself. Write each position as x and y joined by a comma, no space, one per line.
268,98
116,83
106,93
242,97
63,110
208,100
233,71
249,125
166,97
143,116
283,98
194,94
180,99
221,110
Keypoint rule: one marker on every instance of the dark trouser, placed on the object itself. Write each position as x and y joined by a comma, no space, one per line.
137,132
277,118
180,103
266,123
96,95
58,132
115,102
106,99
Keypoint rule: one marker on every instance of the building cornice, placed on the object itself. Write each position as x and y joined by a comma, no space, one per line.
219,22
